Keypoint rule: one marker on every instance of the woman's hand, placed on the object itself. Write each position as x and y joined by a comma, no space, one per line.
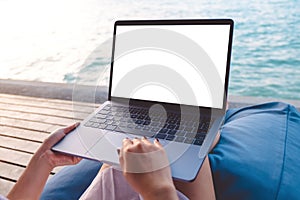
146,168
33,179
54,159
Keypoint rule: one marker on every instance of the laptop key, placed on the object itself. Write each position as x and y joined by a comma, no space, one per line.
88,124
141,117
95,125
110,127
160,136
190,135
109,121
179,139
171,126
200,136
109,117
172,132
155,129
204,126
101,116
116,118
170,137
180,133
107,107
133,116
164,130
146,128
189,128
104,112
156,119
189,140
139,121
115,123
93,119
147,122
102,126
172,121
119,114
198,142
139,127
155,123
101,120
130,125
123,124
137,132
123,120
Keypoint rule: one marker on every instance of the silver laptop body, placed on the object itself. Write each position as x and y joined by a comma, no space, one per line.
168,80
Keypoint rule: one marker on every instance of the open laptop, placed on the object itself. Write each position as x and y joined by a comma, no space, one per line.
168,80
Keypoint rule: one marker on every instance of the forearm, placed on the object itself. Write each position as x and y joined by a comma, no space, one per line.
31,183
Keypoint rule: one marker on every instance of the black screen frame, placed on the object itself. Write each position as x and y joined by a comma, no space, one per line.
229,22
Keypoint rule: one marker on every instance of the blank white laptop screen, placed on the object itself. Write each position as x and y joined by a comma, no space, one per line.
212,41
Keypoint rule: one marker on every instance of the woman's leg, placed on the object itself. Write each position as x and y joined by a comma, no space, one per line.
71,181
202,187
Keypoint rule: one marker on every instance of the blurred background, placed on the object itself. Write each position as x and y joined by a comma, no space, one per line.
51,40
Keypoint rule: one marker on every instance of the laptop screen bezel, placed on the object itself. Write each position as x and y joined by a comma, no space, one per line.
173,22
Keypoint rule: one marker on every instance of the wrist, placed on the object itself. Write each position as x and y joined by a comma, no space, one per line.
42,161
31,183
164,192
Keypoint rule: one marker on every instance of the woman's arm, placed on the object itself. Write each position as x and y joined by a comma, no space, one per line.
33,179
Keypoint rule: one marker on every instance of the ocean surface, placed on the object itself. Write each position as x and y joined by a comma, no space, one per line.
55,40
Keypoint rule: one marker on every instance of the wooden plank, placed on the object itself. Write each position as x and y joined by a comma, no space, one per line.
15,143
45,111
23,134
16,157
47,104
54,128
56,101
28,125
36,117
5,186
24,123
10,171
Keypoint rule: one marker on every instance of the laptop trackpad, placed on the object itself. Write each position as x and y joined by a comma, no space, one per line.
106,148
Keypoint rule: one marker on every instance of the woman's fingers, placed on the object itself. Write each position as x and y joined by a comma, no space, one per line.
59,134
71,127
141,155
157,143
138,142
57,159
146,141
139,145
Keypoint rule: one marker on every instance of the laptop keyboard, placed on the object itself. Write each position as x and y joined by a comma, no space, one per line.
137,122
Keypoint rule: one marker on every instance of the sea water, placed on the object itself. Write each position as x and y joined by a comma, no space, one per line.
53,40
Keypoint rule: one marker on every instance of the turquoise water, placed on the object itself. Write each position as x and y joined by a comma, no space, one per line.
51,40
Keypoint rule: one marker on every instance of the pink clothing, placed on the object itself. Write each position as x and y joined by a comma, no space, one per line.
2,197
111,184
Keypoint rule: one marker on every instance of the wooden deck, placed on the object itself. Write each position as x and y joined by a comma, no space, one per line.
24,123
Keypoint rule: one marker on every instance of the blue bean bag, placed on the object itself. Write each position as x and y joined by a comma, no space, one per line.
70,182
257,157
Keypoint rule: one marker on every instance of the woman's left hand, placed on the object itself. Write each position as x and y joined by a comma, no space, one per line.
31,183
54,159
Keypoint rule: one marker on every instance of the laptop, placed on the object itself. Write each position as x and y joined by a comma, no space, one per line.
168,80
